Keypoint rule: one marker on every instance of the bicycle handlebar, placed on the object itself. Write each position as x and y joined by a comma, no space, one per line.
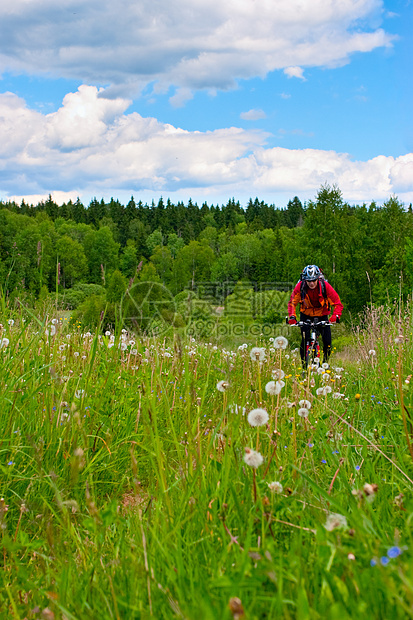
310,323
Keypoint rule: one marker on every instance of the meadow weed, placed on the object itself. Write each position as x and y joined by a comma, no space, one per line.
152,477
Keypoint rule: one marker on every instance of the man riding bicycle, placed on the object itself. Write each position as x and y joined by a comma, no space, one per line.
317,298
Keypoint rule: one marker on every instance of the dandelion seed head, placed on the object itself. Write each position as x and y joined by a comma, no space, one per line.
277,374
222,386
280,342
257,417
335,521
304,403
275,487
257,354
303,412
252,458
273,388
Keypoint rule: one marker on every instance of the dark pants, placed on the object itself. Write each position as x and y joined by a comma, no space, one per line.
325,332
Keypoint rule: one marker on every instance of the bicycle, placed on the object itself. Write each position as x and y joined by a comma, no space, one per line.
312,345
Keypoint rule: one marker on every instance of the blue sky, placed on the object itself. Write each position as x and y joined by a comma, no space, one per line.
204,99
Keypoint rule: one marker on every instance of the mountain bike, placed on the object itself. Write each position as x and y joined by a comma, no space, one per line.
312,345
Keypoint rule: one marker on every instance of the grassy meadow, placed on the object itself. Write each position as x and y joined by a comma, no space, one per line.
174,478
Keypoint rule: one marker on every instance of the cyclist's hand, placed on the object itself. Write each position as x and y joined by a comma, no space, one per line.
334,319
292,320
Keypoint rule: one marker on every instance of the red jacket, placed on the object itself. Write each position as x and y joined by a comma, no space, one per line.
314,303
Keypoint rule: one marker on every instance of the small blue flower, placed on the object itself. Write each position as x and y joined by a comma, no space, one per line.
393,552
384,561
310,445
10,463
373,562
335,452
324,461
357,467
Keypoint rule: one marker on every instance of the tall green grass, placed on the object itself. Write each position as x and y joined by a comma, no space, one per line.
126,494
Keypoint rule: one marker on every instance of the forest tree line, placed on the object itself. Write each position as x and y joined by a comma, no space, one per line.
365,251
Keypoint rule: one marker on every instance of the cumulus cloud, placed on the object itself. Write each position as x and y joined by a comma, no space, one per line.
126,45
253,115
294,72
92,145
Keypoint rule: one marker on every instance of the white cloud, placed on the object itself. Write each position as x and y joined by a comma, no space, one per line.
92,146
253,115
294,72
179,99
189,44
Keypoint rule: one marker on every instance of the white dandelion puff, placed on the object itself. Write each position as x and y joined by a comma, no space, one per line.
275,487
257,354
304,403
222,386
303,412
10,322
273,388
4,343
252,458
257,417
335,521
325,366
327,390
372,352
280,342
277,373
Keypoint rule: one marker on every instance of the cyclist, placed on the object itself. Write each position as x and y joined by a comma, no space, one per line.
317,299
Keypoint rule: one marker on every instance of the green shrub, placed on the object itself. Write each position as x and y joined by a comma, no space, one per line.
72,298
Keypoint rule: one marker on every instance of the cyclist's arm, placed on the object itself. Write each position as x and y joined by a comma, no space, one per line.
334,300
294,300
